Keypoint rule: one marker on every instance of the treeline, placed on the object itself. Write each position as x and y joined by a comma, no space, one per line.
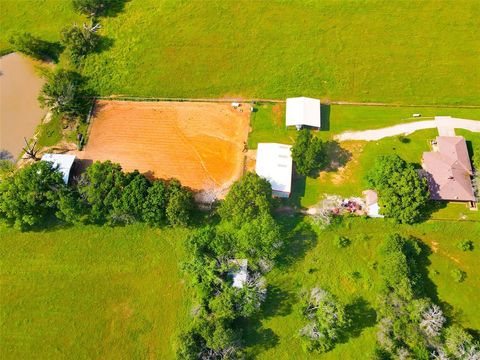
411,326
31,196
247,238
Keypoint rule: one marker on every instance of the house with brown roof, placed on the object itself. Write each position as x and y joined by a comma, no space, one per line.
448,170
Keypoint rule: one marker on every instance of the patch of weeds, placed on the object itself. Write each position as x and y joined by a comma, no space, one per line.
465,245
341,241
458,275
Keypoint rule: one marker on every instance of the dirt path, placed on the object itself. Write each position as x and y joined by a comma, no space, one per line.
446,125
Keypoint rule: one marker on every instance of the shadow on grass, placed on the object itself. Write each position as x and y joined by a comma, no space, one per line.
325,117
362,316
337,156
299,238
114,8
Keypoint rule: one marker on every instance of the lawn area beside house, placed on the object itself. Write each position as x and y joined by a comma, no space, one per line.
312,259
91,292
359,51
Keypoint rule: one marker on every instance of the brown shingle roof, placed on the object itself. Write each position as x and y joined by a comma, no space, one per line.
449,170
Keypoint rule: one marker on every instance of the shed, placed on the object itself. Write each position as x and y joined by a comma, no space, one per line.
303,111
62,162
274,163
240,276
371,202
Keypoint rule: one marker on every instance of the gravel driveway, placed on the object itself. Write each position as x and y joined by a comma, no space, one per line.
446,127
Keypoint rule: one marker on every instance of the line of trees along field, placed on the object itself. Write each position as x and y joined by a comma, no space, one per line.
31,196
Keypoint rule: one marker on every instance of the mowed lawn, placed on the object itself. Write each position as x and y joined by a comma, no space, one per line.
90,292
402,51
312,259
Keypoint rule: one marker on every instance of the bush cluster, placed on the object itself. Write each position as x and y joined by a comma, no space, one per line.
308,153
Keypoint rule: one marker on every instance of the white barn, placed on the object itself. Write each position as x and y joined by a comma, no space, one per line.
303,111
274,163
62,162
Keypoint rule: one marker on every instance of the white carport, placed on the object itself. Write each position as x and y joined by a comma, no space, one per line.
303,111
274,163
62,162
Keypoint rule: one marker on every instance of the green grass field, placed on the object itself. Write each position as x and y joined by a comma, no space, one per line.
401,52
90,292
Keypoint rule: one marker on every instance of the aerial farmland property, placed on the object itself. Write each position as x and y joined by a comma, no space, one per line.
239,179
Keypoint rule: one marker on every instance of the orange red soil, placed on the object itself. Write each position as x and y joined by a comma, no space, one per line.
201,144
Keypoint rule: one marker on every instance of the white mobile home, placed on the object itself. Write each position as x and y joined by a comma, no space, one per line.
274,163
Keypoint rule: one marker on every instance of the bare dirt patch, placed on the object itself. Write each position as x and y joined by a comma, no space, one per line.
201,144
345,157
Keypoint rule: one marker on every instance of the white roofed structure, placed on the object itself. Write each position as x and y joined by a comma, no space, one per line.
274,163
303,111
62,162
240,276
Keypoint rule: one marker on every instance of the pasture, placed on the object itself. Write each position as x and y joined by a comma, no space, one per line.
89,292
200,144
362,51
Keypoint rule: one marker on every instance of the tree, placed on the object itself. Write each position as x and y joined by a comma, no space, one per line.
65,93
249,197
460,344
403,195
71,208
30,195
129,206
7,167
327,318
91,8
308,153
100,186
258,239
180,204
34,47
80,41
432,321
155,204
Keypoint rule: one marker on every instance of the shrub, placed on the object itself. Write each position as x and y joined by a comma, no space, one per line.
341,242
34,47
458,275
80,41
465,245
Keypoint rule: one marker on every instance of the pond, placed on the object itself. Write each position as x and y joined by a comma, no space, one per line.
20,112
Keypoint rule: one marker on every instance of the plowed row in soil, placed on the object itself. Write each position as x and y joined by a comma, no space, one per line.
200,144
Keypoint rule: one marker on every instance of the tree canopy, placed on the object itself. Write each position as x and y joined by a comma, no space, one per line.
248,198
65,93
80,41
308,153
29,195
92,7
34,47
403,194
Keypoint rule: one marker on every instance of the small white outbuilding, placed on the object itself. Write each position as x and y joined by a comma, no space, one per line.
240,276
62,162
274,163
303,111
371,202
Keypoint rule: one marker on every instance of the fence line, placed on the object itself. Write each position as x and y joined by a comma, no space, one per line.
249,100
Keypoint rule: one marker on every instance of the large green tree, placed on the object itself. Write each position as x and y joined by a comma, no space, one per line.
248,198
180,204
100,186
403,194
29,196
65,93
308,153
92,7
80,41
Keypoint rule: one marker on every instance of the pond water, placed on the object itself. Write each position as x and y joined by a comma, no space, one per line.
20,112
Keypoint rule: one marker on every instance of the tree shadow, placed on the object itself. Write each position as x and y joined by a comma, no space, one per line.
337,155
325,117
424,285
277,303
299,238
362,316
255,337
114,8
299,184
104,43
6,155
51,50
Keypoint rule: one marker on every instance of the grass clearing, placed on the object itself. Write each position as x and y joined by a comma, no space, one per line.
369,51
91,292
